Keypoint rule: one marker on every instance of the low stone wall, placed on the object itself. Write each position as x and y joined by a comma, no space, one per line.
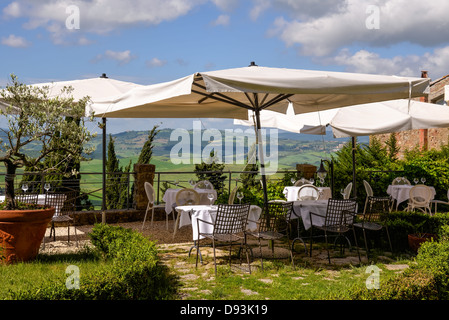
114,216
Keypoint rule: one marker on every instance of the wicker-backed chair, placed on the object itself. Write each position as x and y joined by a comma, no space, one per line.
337,221
438,201
274,224
232,195
204,184
374,217
347,191
229,226
184,197
420,198
301,182
308,192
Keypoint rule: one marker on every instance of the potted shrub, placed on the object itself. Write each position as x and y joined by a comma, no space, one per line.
416,239
53,126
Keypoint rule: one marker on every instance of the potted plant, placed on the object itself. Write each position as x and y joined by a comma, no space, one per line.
53,126
416,239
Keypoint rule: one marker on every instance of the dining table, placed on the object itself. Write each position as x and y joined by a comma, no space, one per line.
189,215
401,192
170,197
302,209
291,193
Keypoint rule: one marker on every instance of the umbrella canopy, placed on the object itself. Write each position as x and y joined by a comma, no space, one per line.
230,93
359,120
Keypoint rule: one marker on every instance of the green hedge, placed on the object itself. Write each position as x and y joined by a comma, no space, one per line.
132,271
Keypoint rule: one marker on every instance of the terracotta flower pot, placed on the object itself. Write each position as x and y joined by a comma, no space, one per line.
21,233
415,240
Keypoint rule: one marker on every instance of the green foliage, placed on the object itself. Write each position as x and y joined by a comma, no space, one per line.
211,170
147,150
117,186
133,271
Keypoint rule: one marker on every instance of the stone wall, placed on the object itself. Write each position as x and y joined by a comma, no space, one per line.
426,139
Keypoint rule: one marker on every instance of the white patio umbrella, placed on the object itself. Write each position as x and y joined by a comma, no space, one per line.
230,93
360,120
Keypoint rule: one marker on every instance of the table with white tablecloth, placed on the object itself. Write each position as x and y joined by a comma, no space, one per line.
401,192
188,215
170,197
302,209
291,193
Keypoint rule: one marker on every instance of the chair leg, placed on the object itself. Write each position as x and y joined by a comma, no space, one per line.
389,240
327,247
197,252
145,217
356,244
260,250
215,258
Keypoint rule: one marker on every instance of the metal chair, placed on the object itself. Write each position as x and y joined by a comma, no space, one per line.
308,192
273,225
369,192
338,220
149,190
65,205
420,197
30,198
229,226
373,219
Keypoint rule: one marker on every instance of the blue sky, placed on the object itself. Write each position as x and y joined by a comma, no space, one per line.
151,41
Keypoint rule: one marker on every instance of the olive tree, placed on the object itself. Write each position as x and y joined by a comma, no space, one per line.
34,118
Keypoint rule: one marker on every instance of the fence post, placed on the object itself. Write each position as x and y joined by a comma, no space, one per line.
143,173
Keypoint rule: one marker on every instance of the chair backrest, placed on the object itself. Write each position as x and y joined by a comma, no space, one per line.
55,200
231,218
301,182
400,181
30,198
368,189
308,192
187,196
232,195
337,211
420,195
347,191
377,209
149,190
203,184
69,202
275,217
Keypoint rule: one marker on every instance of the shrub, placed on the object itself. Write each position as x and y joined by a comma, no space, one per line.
132,271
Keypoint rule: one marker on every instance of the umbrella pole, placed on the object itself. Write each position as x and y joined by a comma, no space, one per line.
353,168
103,202
261,158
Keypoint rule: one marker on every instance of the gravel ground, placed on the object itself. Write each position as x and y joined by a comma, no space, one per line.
157,232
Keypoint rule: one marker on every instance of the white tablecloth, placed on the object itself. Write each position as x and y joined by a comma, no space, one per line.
401,192
291,193
208,213
303,208
170,197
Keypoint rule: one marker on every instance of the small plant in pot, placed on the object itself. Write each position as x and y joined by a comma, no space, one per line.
54,127
416,239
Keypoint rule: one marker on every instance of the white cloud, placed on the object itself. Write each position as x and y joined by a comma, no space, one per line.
363,61
122,57
96,16
15,41
222,20
155,62
325,29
